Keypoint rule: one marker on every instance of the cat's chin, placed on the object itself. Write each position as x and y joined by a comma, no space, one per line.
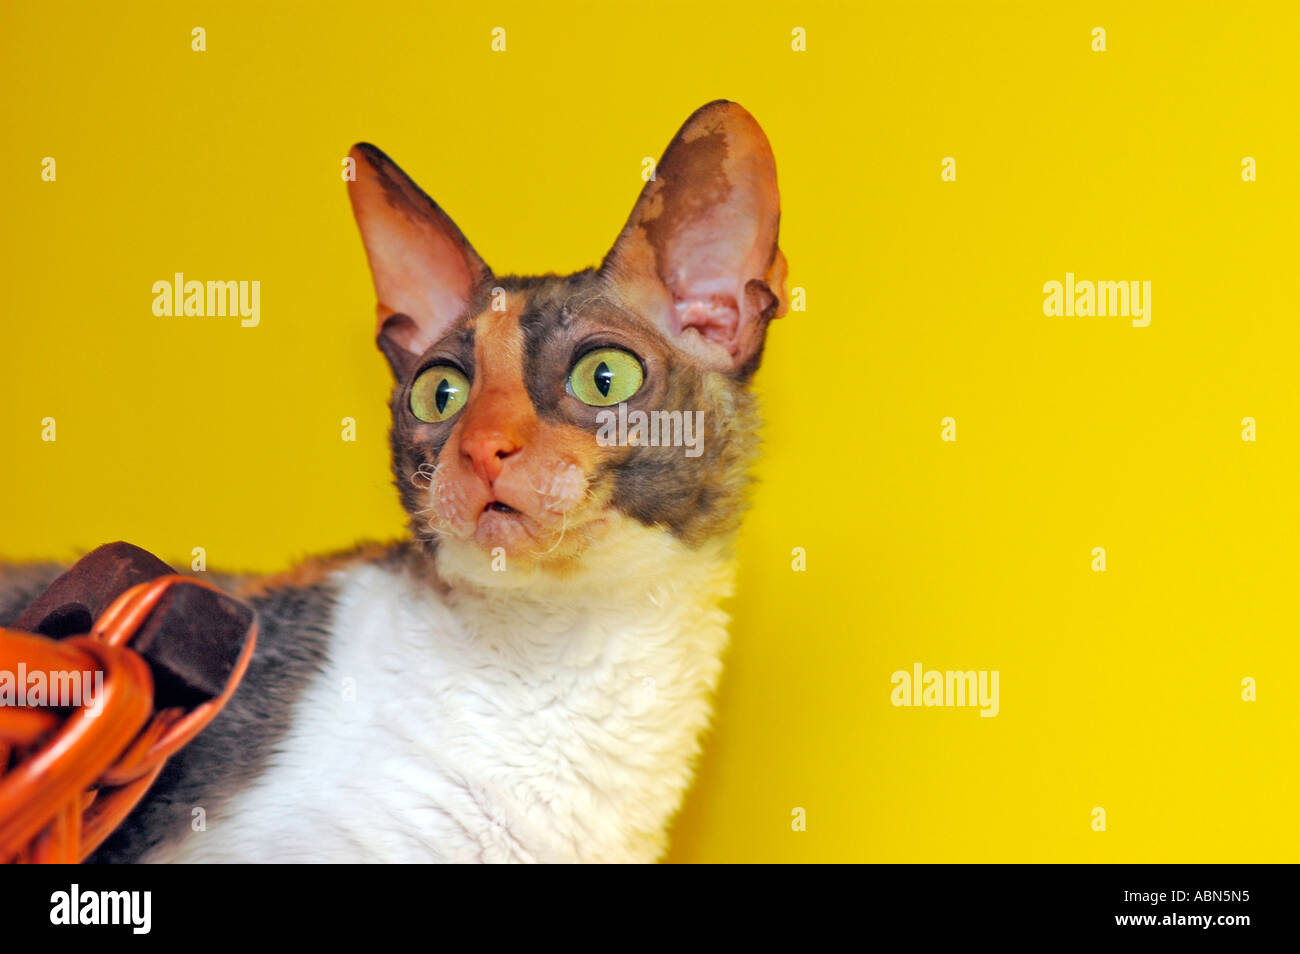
505,547
511,532
521,537
623,563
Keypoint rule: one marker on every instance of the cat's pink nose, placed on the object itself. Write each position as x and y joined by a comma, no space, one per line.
487,450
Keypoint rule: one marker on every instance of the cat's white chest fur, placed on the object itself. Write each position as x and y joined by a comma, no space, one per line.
525,725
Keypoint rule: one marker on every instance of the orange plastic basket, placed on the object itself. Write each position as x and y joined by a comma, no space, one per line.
69,776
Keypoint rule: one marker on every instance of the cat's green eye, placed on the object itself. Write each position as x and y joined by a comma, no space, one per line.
439,393
606,376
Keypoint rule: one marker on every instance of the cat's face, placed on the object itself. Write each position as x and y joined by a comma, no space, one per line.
533,417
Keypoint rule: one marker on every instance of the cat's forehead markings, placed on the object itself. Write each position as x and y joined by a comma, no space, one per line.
498,342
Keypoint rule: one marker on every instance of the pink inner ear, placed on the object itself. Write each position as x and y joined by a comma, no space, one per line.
709,267
716,319
418,270
423,274
423,267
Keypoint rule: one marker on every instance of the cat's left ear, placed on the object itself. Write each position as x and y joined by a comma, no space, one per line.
699,253
425,271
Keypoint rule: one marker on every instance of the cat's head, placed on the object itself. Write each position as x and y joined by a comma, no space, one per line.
526,410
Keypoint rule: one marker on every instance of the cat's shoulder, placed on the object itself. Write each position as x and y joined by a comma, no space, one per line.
296,618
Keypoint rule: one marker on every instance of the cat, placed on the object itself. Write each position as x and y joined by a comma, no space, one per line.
526,677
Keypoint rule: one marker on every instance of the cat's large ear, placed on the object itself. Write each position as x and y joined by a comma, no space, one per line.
425,271
699,253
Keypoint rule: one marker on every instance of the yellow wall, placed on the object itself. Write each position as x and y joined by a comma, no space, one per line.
1118,689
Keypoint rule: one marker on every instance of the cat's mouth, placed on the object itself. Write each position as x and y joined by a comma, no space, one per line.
501,525
530,513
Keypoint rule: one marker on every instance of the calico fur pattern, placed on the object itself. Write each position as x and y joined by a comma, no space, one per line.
410,701
390,717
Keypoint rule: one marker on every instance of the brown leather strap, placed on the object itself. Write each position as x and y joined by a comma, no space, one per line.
191,641
76,599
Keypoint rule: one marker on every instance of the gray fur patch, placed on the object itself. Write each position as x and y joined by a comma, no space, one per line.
20,583
292,647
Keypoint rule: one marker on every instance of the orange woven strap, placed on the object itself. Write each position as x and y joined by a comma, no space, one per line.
77,777
50,781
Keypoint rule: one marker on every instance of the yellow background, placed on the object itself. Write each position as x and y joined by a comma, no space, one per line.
1118,689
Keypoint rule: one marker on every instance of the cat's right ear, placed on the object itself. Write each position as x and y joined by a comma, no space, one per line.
425,271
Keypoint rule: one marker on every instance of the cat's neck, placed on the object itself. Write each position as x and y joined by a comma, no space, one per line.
632,567
630,655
